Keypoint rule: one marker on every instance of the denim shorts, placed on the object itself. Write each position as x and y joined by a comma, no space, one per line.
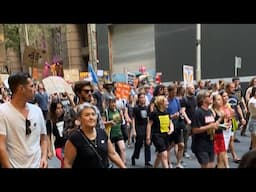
252,126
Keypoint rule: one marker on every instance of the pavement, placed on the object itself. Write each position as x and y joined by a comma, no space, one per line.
241,148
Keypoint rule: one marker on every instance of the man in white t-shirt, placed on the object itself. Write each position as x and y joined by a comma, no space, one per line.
23,139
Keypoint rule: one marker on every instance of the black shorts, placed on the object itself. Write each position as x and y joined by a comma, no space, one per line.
176,136
204,157
160,141
116,139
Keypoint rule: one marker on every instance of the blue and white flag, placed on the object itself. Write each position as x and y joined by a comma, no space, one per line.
93,74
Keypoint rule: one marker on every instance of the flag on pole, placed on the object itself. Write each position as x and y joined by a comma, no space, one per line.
93,74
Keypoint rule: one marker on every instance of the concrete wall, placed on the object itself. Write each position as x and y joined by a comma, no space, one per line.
133,46
102,45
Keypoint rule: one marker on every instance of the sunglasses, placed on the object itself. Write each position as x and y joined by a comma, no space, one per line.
87,90
28,124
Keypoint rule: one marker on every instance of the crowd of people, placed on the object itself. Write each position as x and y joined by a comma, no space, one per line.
93,128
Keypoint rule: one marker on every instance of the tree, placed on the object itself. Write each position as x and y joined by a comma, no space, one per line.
12,37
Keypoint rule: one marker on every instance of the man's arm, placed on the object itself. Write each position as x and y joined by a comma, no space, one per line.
44,155
244,105
4,157
183,112
240,113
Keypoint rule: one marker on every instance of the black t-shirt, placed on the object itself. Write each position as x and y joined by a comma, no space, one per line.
239,93
141,119
202,142
86,157
161,121
52,128
190,104
130,110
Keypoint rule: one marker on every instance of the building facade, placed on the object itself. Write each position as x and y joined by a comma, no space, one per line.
167,47
162,48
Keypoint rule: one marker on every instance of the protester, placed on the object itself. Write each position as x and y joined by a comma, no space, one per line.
55,125
23,140
88,146
252,120
42,98
159,128
140,120
203,131
114,117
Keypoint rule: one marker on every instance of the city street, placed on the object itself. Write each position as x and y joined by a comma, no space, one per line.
240,148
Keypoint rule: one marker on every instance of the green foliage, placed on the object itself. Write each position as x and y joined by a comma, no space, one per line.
12,37
15,34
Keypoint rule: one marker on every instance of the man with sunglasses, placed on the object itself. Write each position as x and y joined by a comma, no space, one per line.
84,90
23,140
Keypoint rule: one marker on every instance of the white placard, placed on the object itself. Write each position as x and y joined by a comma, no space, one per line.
55,84
238,62
130,78
188,74
100,73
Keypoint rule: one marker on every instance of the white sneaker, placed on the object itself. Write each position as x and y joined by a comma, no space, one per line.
186,155
179,166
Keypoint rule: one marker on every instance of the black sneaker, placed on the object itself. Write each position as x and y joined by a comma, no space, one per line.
148,165
133,161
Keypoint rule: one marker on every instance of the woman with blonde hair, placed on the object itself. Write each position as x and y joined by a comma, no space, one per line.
160,126
228,114
219,142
